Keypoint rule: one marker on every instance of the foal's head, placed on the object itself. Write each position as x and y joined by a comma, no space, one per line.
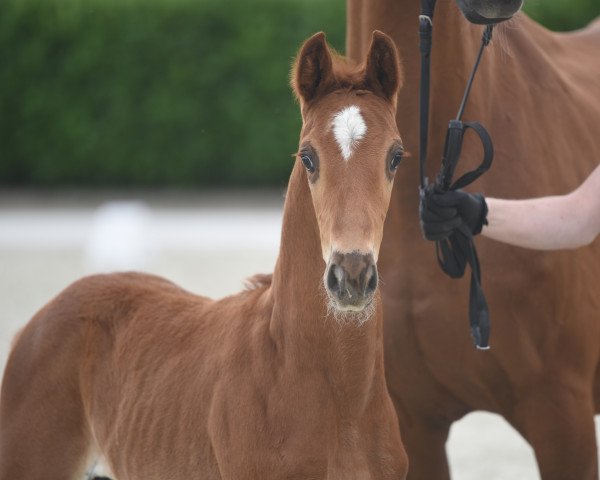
350,148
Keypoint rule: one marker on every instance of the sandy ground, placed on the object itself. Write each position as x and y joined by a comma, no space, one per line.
207,243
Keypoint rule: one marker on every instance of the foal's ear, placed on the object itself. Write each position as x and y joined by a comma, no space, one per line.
313,70
383,73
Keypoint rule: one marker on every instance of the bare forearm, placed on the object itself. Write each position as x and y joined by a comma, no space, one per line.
548,223
539,223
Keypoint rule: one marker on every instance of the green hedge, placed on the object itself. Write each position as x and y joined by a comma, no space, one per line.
156,92
563,14
152,92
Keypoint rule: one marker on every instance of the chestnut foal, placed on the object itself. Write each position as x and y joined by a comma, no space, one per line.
284,380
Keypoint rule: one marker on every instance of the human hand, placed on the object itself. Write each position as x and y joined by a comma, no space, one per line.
441,214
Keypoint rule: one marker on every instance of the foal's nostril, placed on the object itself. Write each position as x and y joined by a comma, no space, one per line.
335,278
371,280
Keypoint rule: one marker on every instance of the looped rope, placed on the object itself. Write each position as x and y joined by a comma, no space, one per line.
458,250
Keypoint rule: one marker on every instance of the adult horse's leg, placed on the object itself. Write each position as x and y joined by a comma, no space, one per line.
425,444
424,437
597,383
557,419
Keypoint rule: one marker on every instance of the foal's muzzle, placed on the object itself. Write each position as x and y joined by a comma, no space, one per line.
351,280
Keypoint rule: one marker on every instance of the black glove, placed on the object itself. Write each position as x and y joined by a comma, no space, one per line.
442,214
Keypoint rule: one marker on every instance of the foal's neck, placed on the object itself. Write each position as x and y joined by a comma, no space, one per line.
309,337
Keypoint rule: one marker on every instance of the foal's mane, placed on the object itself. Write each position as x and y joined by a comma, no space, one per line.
259,280
348,75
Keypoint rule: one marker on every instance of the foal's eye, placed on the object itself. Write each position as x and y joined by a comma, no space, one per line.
396,159
308,162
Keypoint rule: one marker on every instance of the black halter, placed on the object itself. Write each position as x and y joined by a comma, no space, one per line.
458,249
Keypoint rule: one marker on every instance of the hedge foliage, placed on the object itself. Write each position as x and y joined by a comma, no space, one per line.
151,92
563,14
156,92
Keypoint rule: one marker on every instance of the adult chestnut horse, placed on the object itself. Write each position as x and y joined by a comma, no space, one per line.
538,94
281,381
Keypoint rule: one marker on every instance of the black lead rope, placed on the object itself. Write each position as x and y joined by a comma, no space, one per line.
458,250
425,31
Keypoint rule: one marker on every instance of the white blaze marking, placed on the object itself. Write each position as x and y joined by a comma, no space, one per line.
349,128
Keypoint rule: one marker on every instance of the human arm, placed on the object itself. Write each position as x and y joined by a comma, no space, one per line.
545,223
548,223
